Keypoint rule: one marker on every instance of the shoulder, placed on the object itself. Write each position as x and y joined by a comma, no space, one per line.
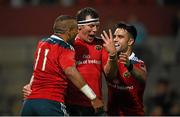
135,60
60,43
138,63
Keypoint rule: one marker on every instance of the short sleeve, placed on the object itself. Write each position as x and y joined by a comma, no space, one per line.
67,58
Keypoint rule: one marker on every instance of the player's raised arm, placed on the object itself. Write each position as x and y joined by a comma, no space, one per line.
110,68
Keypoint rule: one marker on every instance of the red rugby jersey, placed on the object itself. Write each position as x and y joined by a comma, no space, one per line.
89,64
125,92
52,57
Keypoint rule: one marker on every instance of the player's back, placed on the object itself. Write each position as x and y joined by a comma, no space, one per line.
49,80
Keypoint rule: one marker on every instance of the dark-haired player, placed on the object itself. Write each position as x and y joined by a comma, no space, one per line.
125,91
89,50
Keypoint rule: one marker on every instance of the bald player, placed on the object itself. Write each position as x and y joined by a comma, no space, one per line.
54,65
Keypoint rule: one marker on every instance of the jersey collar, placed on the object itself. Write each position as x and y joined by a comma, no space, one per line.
132,56
56,37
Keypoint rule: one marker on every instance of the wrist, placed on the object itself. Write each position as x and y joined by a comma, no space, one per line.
88,92
112,56
112,53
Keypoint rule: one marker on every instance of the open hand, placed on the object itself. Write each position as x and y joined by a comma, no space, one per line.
109,43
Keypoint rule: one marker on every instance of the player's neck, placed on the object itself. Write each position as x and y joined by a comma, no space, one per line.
62,36
129,52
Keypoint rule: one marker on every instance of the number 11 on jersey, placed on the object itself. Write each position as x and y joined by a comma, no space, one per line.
44,59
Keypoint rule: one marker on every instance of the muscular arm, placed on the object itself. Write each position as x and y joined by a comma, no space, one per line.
75,77
111,68
79,82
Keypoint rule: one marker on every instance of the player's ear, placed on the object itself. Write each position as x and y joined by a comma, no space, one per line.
131,41
68,31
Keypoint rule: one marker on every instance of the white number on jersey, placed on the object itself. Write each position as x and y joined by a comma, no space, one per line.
44,60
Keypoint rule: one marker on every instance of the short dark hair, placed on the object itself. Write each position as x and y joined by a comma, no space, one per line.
81,14
60,26
130,28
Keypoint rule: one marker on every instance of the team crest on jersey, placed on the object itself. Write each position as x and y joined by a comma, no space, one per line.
126,74
98,47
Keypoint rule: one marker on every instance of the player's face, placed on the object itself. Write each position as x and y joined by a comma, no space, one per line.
121,40
88,32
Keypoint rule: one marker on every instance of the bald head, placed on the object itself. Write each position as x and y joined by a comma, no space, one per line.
64,23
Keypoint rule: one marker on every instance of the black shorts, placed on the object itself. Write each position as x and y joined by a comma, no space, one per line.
43,107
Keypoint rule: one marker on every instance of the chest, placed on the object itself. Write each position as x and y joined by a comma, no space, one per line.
88,52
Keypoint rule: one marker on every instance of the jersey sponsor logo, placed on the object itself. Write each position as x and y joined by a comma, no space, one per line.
120,87
86,56
89,62
98,47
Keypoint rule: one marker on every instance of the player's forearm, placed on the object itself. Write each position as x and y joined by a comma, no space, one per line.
79,82
75,77
110,69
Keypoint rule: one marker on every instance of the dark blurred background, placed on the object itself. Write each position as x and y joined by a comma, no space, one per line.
24,22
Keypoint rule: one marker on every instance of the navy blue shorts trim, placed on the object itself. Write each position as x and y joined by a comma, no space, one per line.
43,107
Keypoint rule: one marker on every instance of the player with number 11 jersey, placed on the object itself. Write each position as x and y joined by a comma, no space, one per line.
47,71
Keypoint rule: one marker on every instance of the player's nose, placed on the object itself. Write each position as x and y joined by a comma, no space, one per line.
95,28
115,39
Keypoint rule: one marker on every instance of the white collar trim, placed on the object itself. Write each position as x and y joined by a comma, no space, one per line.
56,37
132,56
